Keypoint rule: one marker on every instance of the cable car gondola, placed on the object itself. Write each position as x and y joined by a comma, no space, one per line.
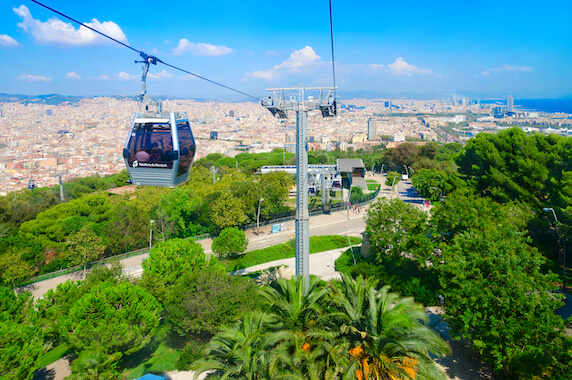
160,148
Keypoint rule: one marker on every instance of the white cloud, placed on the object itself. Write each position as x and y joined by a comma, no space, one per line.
7,41
511,68
33,78
57,32
272,53
506,69
73,76
402,68
200,48
298,61
122,76
376,66
160,75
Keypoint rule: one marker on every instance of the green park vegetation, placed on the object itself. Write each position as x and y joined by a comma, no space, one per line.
286,250
39,234
487,252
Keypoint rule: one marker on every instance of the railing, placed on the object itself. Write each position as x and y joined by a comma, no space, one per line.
367,198
79,268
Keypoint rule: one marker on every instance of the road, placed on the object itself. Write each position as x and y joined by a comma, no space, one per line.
462,364
336,223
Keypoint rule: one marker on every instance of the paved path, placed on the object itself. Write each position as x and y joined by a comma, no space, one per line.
336,223
464,364
322,264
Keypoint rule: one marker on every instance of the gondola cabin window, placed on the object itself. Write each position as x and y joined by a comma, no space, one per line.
152,142
187,147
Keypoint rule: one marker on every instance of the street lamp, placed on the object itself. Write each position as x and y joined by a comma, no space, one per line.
406,171
258,216
550,209
393,183
151,233
382,166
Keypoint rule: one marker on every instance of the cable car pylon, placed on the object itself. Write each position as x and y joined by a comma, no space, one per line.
278,105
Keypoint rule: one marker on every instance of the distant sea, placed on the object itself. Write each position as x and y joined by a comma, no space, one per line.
541,105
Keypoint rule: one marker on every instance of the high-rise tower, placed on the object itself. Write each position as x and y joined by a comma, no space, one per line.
509,104
372,129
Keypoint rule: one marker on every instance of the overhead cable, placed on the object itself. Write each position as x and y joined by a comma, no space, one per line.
332,43
142,54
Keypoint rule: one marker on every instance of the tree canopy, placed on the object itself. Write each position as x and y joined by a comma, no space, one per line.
113,319
230,242
496,295
21,338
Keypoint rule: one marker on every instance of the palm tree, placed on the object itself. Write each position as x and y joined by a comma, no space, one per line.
385,336
299,314
95,365
294,306
246,351
327,333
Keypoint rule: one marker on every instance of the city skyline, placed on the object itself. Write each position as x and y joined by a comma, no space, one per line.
488,49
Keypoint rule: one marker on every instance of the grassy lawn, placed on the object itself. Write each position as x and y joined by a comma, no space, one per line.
158,357
164,352
286,250
373,186
163,359
56,353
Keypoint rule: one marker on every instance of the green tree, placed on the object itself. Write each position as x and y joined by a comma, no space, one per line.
275,188
84,247
299,312
245,351
293,305
464,211
14,268
392,178
347,330
120,179
429,150
48,227
168,261
496,295
507,166
54,306
87,185
435,184
113,319
127,228
404,154
205,299
384,333
397,229
21,339
182,207
94,366
230,242
449,152
227,211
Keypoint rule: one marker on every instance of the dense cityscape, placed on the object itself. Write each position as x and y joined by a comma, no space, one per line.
42,142
305,190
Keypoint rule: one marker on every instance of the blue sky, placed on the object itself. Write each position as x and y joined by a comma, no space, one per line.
431,48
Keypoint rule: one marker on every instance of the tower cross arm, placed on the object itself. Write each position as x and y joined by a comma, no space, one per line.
277,103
